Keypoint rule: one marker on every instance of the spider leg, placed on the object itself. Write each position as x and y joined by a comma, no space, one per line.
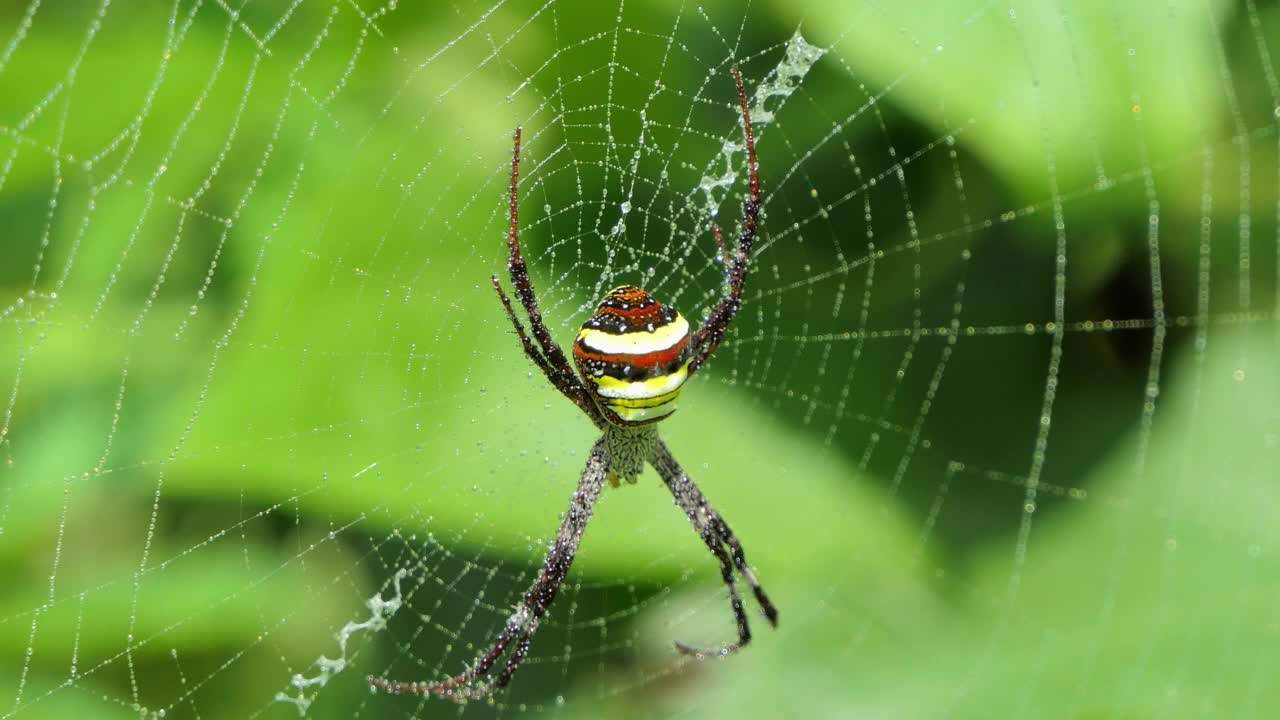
481,666
523,285
523,623
740,561
709,335
513,662
568,385
715,532
739,613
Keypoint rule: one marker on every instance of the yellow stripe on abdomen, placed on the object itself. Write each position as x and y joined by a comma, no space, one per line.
638,342
611,387
642,400
642,410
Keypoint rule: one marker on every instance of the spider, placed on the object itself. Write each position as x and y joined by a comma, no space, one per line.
632,356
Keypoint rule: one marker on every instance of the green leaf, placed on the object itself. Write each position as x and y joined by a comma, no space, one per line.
1063,82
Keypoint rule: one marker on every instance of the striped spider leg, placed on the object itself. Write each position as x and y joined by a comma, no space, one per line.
632,357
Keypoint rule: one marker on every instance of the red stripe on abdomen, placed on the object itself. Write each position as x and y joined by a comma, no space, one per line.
660,358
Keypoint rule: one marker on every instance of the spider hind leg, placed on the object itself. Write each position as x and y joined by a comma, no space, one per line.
739,613
523,623
717,536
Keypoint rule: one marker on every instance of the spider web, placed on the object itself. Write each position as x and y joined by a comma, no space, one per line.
997,424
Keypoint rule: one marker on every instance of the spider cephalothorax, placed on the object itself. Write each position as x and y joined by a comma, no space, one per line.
633,356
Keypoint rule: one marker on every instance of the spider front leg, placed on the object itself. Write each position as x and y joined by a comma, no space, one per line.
550,358
712,331
523,623
563,379
717,535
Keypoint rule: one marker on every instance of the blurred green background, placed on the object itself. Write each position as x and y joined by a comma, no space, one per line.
999,424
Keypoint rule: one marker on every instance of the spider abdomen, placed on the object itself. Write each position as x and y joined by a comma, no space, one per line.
633,354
